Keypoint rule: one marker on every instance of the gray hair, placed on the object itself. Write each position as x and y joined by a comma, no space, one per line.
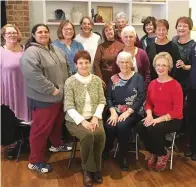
121,15
124,56
128,28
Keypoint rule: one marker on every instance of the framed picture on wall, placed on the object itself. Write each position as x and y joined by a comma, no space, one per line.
106,12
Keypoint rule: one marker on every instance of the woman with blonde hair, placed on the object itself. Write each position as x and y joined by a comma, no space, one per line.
13,100
164,104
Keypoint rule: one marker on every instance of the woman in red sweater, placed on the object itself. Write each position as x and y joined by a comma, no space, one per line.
164,104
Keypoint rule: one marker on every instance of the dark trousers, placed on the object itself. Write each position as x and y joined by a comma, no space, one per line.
191,100
122,132
91,145
47,123
153,137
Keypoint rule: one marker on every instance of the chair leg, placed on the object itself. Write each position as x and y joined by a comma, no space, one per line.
20,146
136,146
116,150
172,150
73,153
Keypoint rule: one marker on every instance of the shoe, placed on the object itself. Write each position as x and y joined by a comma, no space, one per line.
124,165
87,179
162,162
193,157
97,177
188,153
151,161
40,167
61,148
12,151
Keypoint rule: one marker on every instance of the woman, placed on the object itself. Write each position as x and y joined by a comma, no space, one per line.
163,107
149,26
106,54
66,34
191,100
87,38
45,70
141,62
84,103
184,43
121,23
13,100
125,96
162,44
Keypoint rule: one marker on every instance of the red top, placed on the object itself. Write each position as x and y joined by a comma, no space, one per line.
165,98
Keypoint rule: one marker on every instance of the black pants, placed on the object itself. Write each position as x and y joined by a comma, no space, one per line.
191,100
153,137
9,126
122,132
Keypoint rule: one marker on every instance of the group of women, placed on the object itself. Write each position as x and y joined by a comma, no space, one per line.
57,79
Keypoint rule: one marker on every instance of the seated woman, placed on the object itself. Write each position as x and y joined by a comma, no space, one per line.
125,96
84,102
164,105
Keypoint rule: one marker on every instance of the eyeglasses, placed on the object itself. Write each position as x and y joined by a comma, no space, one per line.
11,33
161,65
68,29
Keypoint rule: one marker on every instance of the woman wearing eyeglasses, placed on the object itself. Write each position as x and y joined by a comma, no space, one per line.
66,34
13,99
164,104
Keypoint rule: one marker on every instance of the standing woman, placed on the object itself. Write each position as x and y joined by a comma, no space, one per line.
87,38
84,103
149,28
141,62
107,53
45,70
162,44
66,34
13,98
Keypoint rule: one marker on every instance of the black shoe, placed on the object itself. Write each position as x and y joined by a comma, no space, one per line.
87,179
97,177
188,153
12,152
193,157
124,165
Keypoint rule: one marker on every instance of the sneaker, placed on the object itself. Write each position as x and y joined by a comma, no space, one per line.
162,162
40,167
61,148
151,161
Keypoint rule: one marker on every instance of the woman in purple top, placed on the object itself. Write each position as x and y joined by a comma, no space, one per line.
13,99
141,61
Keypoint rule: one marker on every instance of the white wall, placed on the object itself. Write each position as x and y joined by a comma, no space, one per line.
192,5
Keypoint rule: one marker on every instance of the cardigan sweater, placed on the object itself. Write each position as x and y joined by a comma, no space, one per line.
75,95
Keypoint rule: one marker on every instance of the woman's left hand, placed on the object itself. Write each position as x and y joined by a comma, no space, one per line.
95,122
124,116
153,122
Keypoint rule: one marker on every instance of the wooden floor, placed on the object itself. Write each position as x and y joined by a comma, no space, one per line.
17,175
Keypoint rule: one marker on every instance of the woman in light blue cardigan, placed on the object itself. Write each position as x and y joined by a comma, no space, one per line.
84,102
66,34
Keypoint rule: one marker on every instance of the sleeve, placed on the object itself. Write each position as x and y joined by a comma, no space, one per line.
137,42
99,111
102,99
177,98
77,118
33,73
109,94
115,68
97,62
80,46
175,53
146,68
68,95
139,100
149,104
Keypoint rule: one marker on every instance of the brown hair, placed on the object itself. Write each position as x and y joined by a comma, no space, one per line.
3,30
162,22
87,17
82,54
107,25
148,20
186,20
60,28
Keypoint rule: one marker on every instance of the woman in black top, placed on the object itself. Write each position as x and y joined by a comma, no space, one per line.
162,44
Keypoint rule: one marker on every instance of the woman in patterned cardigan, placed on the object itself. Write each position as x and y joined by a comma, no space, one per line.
84,102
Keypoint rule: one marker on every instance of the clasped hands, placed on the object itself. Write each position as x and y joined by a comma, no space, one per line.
92,124
149,120
114,118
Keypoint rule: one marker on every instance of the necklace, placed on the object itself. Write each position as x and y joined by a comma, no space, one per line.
160,88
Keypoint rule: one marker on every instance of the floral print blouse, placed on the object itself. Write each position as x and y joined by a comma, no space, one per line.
124,94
